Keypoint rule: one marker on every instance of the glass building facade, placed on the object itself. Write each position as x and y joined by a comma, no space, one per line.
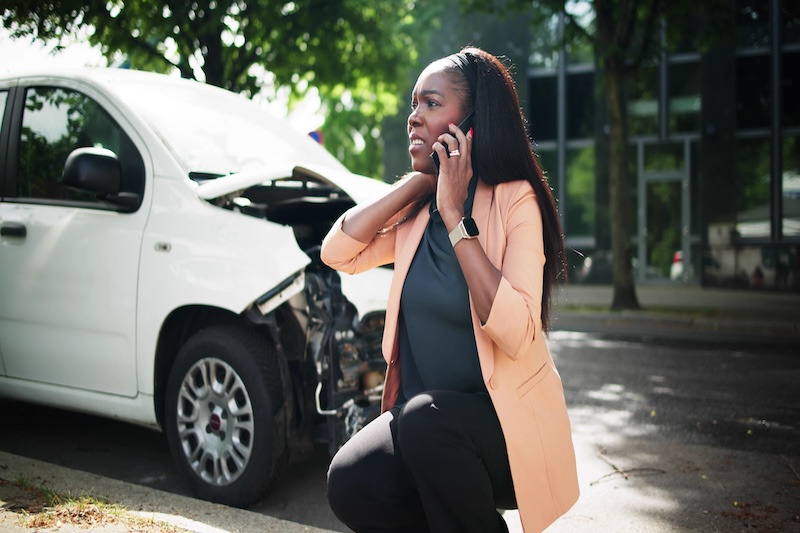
714,151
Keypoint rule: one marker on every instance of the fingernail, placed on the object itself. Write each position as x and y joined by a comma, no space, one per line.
470,132
452,123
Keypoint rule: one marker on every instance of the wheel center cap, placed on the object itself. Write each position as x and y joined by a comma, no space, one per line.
215,422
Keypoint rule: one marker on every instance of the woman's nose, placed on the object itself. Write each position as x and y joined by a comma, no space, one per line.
413,118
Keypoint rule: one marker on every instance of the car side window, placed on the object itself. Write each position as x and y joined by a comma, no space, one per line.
3,98
55,122
3,101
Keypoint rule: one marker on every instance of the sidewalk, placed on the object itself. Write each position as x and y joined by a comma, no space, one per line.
683,312
629,483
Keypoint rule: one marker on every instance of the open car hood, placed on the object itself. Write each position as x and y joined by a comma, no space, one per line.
358,188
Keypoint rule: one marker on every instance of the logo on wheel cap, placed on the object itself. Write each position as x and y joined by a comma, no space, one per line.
215,422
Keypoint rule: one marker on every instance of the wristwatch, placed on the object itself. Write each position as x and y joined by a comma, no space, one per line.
466,229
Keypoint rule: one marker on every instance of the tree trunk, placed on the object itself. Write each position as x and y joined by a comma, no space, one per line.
620,215
213,68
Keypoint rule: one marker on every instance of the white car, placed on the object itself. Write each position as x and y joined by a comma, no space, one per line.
159,264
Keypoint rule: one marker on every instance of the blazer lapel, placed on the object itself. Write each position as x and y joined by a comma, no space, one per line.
408,239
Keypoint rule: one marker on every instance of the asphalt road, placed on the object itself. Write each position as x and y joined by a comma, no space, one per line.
739,397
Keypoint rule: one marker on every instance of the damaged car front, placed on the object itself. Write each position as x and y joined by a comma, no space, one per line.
341,315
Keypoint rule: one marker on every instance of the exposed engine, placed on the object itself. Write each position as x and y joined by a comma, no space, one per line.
346,352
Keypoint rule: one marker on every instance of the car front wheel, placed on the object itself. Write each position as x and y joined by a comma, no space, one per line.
222,397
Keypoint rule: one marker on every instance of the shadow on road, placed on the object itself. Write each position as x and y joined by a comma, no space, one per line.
677,438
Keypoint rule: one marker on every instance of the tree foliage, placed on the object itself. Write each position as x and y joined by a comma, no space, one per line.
354,52
623,35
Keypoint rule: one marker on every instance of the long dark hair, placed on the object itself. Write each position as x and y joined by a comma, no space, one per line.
502,150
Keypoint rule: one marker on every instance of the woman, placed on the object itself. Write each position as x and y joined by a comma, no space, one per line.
474,418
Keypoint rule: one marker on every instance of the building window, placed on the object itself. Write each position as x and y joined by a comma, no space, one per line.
543,105
580,105
684,93
580,192
791,88
790,22
663,226
549,162
752,92
664,157
643,102
752,21
752,188
791,187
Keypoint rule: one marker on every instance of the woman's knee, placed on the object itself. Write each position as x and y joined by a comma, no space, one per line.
418,424
344,489
364,471
369,495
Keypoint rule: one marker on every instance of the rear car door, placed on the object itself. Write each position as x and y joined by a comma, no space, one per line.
69,261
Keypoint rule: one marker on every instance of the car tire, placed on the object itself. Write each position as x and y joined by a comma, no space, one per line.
222,398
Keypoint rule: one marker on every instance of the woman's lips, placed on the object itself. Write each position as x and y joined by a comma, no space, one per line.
416,145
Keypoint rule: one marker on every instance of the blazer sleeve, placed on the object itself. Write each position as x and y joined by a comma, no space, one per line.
516,314
342,252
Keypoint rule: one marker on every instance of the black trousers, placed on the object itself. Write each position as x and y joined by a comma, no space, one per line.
436,464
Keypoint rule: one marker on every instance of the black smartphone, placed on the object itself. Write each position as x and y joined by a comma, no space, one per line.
465,125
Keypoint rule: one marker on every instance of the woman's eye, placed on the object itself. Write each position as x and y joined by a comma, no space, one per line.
428,103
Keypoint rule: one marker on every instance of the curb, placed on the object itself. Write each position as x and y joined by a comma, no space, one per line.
182,512
642,323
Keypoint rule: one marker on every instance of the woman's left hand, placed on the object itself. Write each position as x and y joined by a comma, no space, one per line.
455,172
452,189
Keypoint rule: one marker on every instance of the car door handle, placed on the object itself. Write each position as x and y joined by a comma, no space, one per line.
13,229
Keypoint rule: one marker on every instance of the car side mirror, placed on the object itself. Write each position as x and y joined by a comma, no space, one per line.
94,170
97,170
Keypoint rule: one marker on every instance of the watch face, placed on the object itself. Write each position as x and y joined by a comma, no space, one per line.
471,227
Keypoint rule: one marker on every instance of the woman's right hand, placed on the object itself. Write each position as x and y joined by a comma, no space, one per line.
425,184
363,221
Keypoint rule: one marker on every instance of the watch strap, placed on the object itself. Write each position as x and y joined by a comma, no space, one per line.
460,232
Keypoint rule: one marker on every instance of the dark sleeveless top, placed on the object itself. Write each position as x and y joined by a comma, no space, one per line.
437,341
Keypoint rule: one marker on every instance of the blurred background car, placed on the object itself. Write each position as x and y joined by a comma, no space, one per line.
596,269
711,272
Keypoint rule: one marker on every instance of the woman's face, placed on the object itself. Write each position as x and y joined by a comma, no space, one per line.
434,104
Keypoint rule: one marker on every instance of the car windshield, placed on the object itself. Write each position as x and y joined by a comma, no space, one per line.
215,132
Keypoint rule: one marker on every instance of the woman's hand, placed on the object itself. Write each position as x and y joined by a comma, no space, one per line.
428,181
364,220
455,172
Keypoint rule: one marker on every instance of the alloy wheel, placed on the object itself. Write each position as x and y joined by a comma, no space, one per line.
215,421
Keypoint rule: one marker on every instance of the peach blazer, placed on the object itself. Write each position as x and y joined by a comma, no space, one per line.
516,364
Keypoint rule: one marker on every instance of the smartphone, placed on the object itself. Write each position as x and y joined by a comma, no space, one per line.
465,125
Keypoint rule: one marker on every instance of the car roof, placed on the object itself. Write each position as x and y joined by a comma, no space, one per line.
88,73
